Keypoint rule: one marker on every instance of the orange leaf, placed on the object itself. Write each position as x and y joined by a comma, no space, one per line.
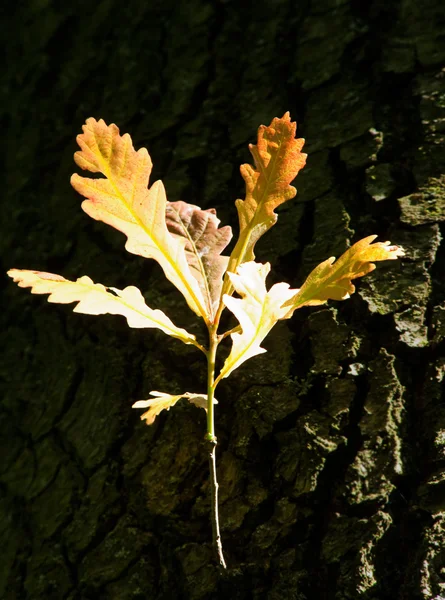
278,158
95,299
204,244
333,280
123,201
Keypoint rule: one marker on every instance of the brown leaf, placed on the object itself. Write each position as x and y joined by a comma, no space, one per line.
204,244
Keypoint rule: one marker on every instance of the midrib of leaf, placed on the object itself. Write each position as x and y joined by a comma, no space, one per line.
201,266
119,194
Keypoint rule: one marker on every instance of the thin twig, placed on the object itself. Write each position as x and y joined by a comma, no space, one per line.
216,535
211,438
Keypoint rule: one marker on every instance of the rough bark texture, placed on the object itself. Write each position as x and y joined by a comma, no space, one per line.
331,447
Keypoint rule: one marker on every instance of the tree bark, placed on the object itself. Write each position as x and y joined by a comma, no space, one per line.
331,446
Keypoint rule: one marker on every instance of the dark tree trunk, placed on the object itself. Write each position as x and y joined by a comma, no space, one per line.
331,450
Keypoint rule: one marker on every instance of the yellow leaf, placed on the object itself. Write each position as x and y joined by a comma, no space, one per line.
257,312
278,158
333,280
162,401
95,299
123,201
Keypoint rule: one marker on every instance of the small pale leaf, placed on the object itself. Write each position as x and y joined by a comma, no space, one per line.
257,312
162,401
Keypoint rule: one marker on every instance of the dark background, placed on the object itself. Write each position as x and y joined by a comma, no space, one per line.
331,448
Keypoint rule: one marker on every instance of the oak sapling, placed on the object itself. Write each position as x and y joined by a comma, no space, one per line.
188,243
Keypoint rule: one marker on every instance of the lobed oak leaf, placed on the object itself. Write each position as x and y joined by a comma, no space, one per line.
163,401
95,299
123,201
204,244
278,159
257,312
333,280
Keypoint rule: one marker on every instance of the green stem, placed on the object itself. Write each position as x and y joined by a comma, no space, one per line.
211,439
211,358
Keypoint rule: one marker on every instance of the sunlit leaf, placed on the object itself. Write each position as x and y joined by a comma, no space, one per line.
278,158
333,280
162,401
95,299
204,244
123,201
257,312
